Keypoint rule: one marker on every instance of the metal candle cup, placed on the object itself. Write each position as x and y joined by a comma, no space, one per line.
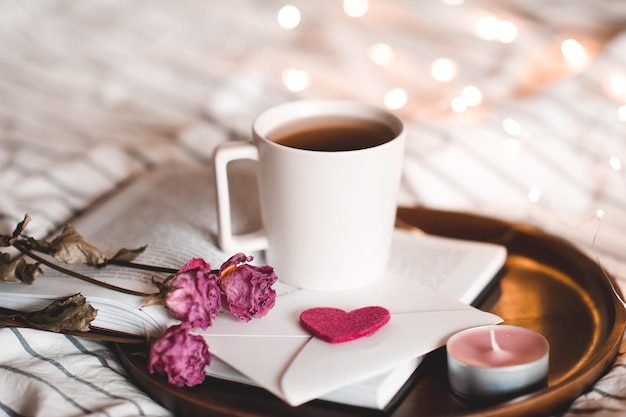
496,362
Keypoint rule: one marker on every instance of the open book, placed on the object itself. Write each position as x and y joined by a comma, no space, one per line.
172,210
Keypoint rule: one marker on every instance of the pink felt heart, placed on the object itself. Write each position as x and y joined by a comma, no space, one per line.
337,326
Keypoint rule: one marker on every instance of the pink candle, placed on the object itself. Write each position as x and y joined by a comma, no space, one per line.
492,362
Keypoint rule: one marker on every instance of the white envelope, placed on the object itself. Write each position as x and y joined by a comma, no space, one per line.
279,355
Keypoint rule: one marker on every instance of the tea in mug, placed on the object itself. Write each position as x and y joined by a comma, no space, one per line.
333,134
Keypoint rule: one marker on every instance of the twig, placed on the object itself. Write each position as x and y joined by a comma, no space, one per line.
144,267
26,251
95,334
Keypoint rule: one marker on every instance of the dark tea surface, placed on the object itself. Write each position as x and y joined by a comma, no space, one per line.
333,134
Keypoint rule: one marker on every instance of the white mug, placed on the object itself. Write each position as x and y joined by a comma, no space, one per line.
328,216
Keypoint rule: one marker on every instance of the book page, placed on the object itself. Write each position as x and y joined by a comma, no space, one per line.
173,212
459,268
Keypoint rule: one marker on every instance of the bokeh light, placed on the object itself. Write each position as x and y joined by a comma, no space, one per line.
618,85
615,163
490,28
487,28
511,127
472,95
507,31
381,53
458,105
288,17
355,8
443,70
396,98
534,195
574,53
296,80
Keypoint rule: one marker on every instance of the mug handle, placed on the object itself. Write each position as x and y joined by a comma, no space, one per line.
222,155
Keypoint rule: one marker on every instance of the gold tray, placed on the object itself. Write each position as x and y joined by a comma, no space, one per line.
547,285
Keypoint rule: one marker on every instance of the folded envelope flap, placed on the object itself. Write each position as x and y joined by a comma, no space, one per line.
262,359
322,367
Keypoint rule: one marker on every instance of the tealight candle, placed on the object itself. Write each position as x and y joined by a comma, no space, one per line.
495,362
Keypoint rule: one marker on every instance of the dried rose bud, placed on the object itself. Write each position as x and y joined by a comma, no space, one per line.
193,295
247,289
181,356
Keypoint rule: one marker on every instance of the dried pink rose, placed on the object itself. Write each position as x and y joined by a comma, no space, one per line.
193,295
247,289
181,356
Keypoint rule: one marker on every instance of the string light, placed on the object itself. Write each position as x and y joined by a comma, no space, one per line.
472,96
288,17
599,213
511,127
355,8
615,163
296,80
458,104
443,70
487,28
574,53
381,53
618,85
534,195
396,98
507,31
490,28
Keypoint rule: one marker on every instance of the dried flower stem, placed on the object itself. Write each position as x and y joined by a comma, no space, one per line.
16,320
144,267
26,251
